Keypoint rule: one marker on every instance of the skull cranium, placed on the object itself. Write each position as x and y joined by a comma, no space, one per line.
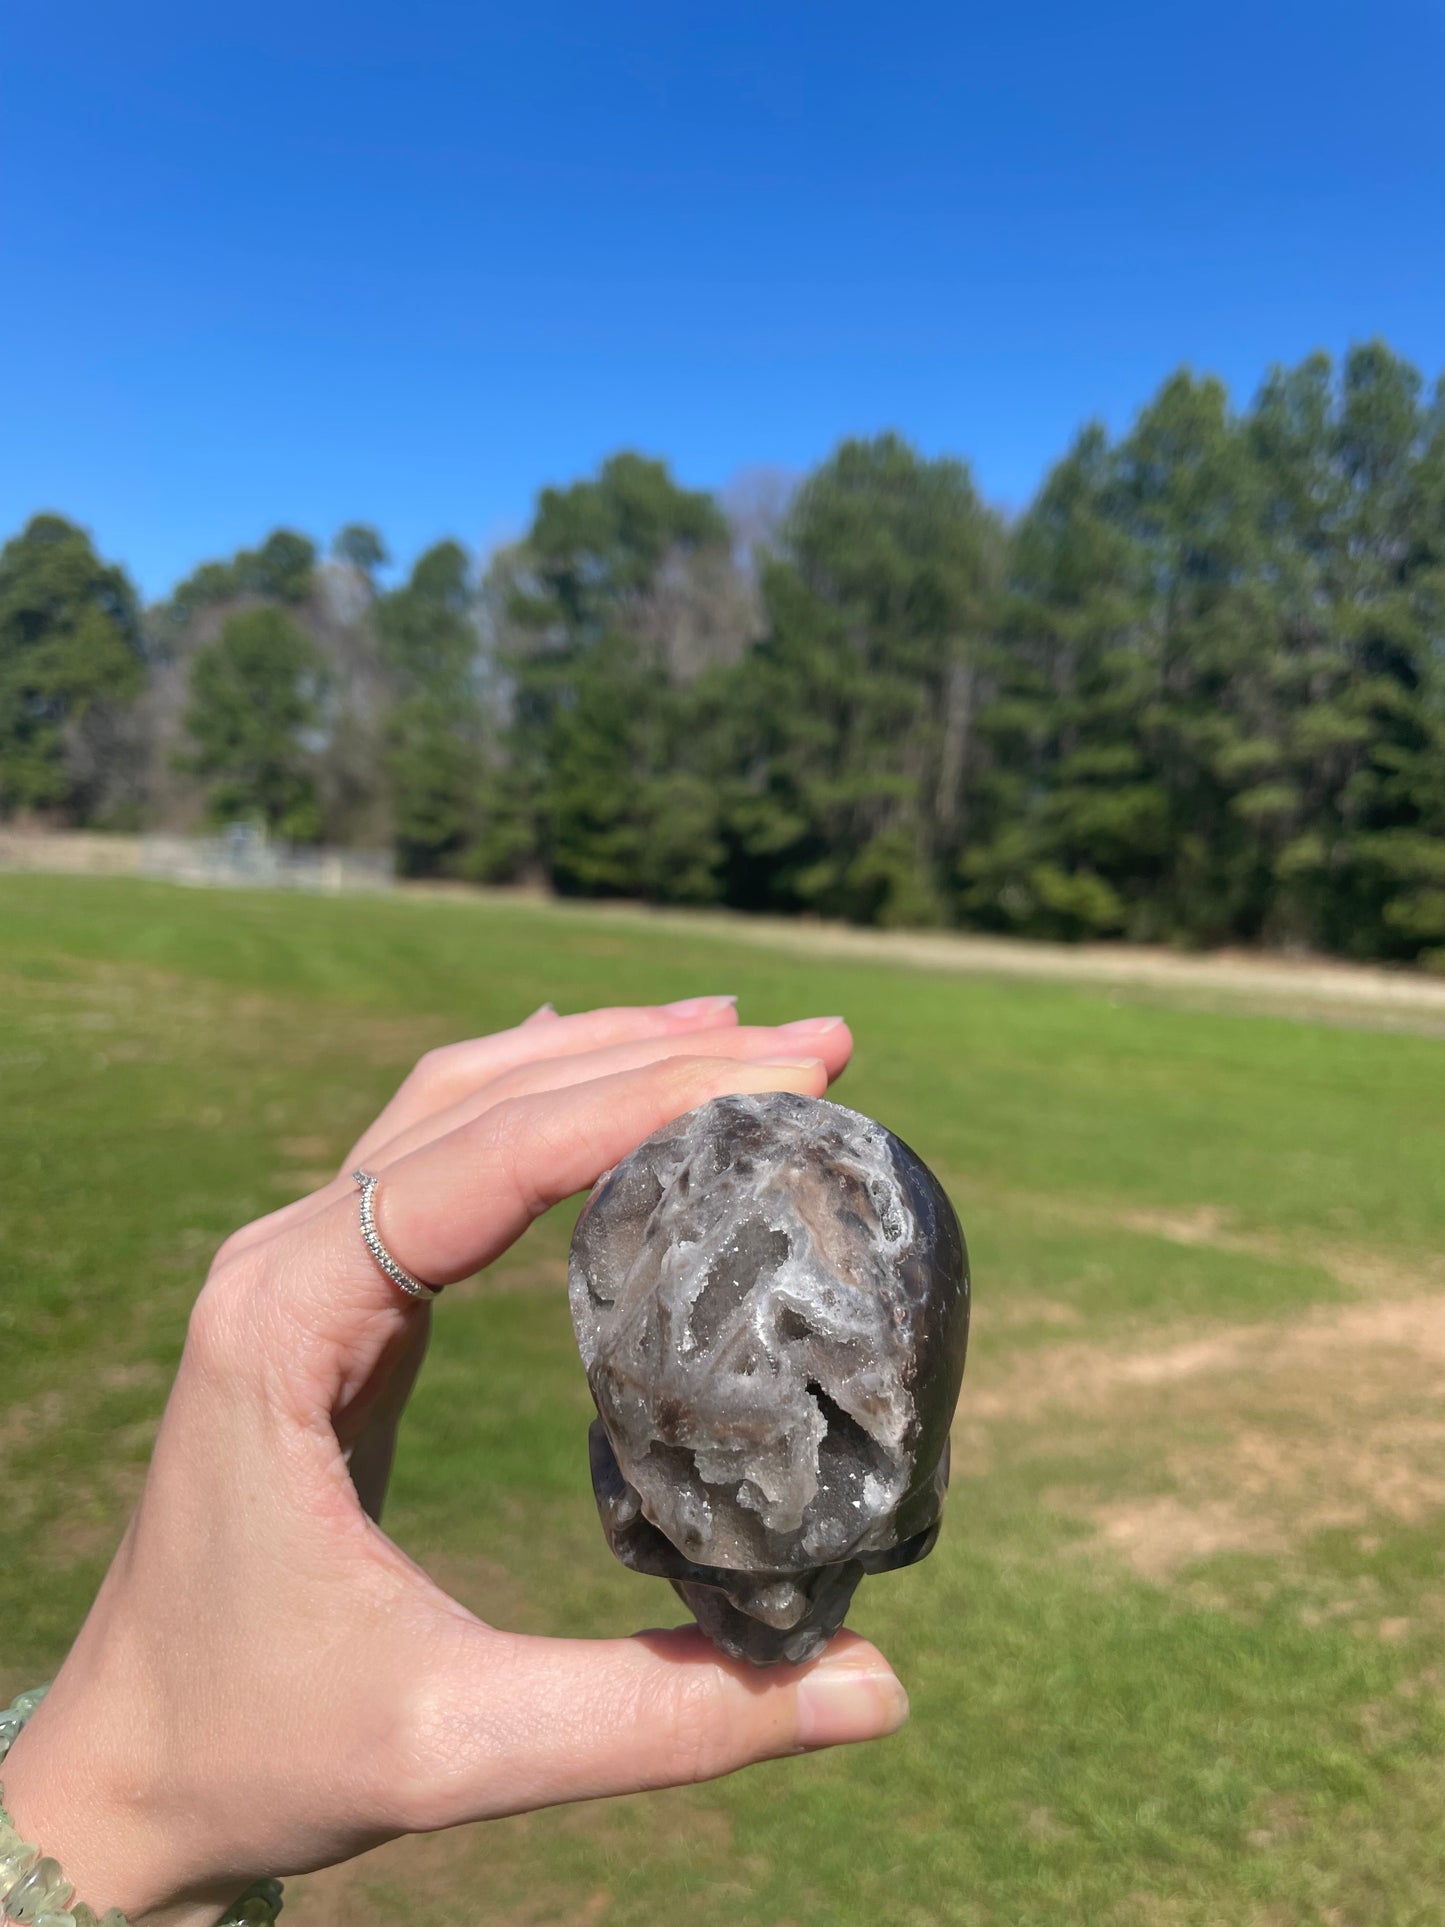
771,1299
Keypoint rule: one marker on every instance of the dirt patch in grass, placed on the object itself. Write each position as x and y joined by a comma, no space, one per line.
1026,1309
1358,1268
30,1420
1262,1434
1096,1379
1363,1269
1158,1536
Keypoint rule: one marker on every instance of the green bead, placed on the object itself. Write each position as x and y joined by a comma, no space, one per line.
41,1891
59,1918
84,1916
113,1917
9,1838
14,1864
25,1703
254,1911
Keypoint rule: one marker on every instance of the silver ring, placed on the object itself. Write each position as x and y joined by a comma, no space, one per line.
398,1274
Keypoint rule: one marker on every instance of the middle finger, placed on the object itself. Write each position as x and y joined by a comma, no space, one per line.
827,1038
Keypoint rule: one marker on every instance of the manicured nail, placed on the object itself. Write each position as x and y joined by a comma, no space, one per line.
786,1063
837,1704
809,1027
541,1014
700,1006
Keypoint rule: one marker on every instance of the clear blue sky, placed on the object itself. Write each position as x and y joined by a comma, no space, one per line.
409,262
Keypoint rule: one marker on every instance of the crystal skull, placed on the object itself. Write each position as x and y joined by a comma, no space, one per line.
771,1299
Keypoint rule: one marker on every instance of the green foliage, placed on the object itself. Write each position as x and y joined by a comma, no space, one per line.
852,718
600,743
1218,709
436,753
70,643
1194,695
281,570
427,631
255,702
360,546
597,544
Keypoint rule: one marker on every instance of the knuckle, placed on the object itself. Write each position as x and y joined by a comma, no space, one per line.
215,1330
228,1315
687,1079
429,1069
443,1753
231,1251
700,1741
439,1072
519,1145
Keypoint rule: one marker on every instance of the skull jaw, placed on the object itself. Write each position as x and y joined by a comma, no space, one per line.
765,1618
827,1593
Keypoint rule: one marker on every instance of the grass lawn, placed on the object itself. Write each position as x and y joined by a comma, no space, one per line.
1179,1656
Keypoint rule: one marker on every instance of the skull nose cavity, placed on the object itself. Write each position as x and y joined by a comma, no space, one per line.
791,1327
855,1473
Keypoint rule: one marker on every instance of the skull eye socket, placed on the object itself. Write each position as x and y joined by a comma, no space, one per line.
754,1250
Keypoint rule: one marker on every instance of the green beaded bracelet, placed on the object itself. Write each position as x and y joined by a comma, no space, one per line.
34,1892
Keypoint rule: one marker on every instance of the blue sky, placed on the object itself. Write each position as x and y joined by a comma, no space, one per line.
408,263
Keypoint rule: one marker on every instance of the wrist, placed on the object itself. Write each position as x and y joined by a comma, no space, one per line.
103,1828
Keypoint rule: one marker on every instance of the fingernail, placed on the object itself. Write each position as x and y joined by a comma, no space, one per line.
542,1011
785,1063
809,1026
837,1704
699,1006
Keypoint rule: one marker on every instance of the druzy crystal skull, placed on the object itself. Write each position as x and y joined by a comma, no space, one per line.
771,1300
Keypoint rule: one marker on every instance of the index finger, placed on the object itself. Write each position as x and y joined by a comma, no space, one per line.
454,1071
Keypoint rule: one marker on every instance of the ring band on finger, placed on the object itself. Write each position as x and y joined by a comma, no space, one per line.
398,1274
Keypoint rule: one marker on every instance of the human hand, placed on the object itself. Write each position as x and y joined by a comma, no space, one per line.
266,1683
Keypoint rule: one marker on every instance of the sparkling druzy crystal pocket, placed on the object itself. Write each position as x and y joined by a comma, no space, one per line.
771,1299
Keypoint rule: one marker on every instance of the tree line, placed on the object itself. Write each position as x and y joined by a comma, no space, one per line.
1195,693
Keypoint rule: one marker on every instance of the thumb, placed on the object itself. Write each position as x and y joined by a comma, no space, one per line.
536,1721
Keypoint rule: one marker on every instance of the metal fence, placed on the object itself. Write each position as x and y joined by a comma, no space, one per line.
240,858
